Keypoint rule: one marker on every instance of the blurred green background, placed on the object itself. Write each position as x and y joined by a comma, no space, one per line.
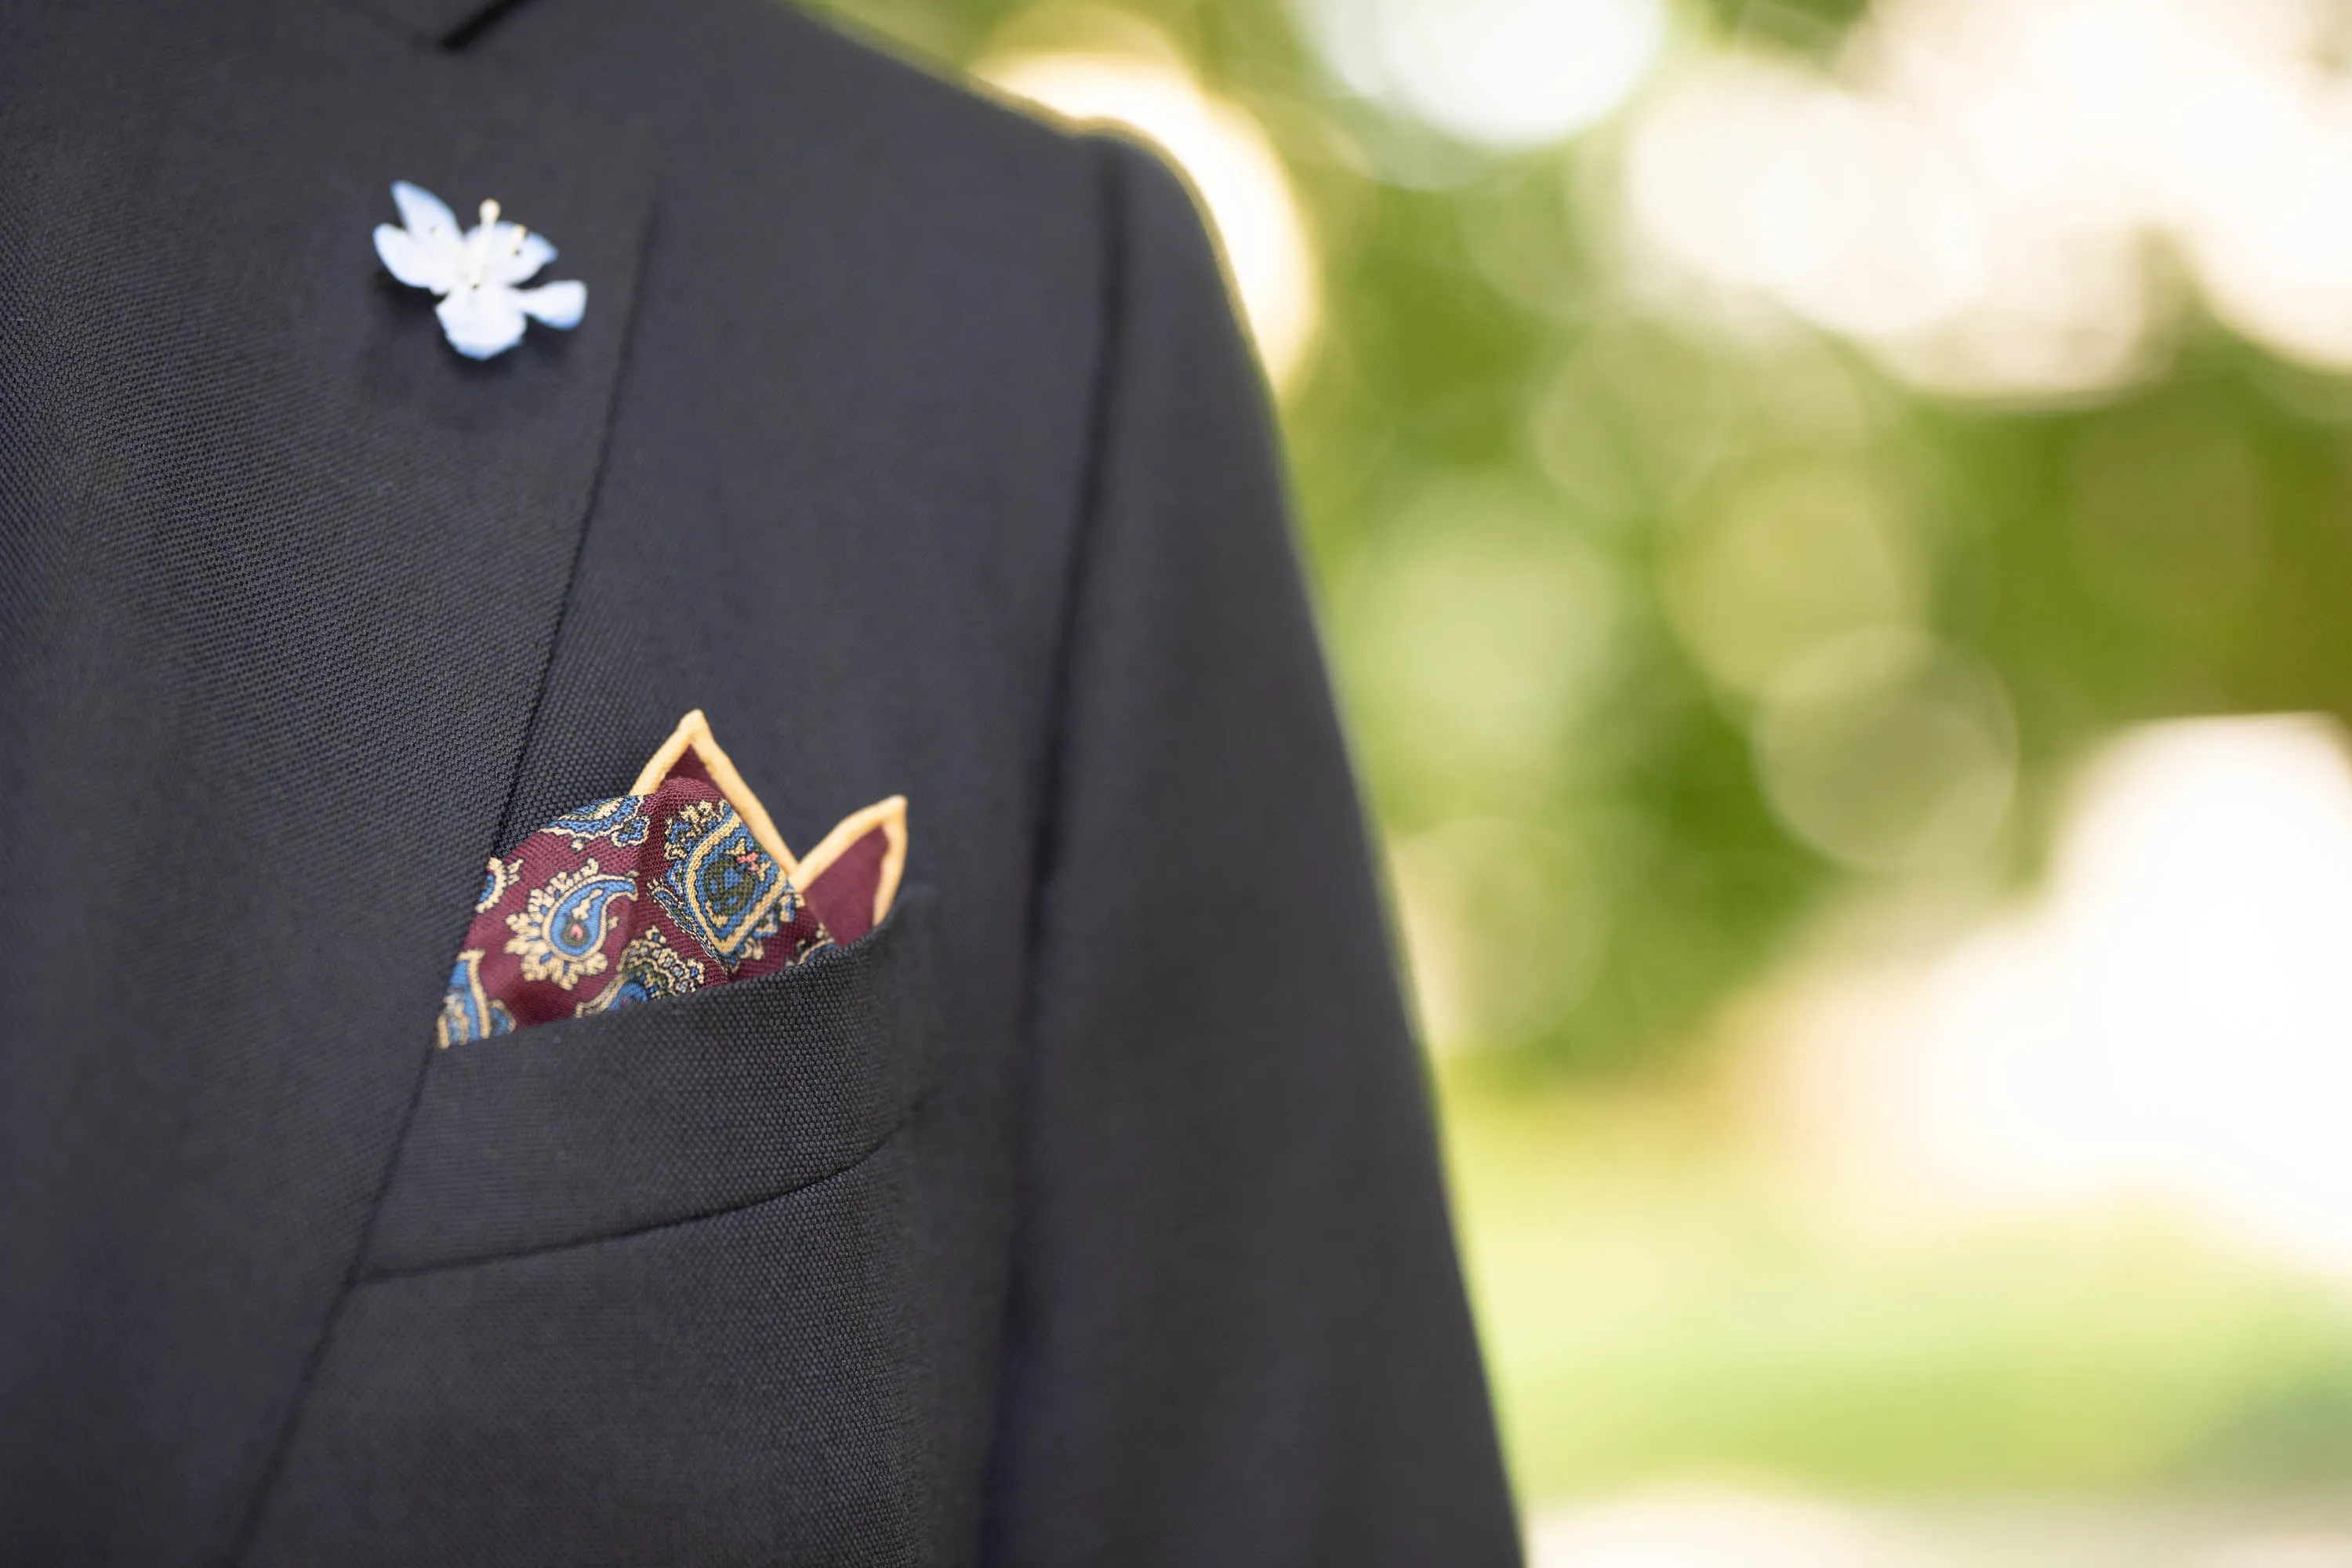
1834,522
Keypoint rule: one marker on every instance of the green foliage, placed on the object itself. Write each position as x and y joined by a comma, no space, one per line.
1573,551
1811,25
1564,539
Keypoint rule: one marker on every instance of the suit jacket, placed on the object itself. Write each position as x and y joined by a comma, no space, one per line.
1086,1214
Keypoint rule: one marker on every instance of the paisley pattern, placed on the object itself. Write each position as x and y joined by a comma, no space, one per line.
719,886
621,820
495,886
650,969
560,931
467,1012
680,892
678,895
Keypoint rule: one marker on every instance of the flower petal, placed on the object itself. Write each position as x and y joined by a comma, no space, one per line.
425,213
481,323
515,253
557,304
420,264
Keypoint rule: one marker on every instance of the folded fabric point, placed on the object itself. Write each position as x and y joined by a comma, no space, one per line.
682,883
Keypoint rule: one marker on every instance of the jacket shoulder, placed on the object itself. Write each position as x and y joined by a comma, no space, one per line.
742,92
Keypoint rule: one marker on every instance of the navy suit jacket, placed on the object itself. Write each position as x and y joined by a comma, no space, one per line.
1087,1214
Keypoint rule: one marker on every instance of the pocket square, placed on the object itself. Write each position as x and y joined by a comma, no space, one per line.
681,883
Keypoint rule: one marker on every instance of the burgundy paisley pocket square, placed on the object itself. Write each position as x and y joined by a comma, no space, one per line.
681,883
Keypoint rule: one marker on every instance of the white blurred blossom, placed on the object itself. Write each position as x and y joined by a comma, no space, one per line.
478,272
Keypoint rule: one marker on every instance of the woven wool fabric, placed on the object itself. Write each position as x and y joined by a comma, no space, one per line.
1085,1213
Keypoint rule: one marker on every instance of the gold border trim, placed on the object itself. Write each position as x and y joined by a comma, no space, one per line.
694,731
890,816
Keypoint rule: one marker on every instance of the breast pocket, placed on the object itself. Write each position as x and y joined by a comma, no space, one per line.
597,1127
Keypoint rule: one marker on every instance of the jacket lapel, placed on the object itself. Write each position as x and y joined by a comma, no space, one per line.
279,576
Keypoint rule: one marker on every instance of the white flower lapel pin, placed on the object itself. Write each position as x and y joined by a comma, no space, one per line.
476,272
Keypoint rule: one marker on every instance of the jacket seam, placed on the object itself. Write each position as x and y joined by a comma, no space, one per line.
1111,192
647,1227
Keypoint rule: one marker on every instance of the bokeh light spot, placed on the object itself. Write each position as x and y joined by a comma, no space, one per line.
1225,154
1887,751
1501,74
1975,188
1504,929
1793,558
